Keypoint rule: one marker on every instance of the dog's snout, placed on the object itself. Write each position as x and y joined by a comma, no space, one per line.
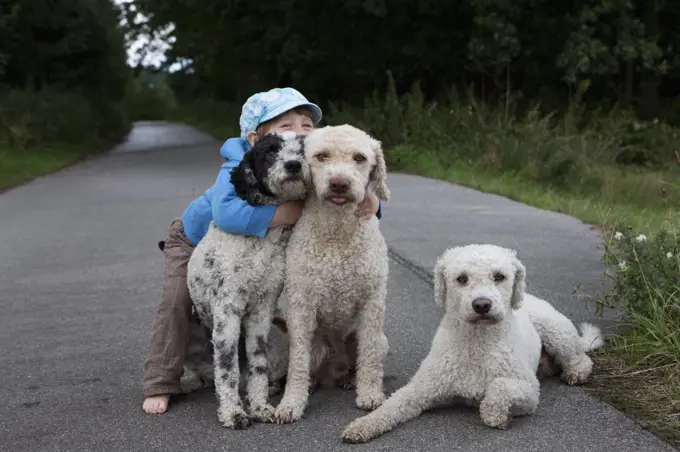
481,305
339,184
292,166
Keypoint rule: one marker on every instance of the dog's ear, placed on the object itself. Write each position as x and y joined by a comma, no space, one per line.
379,172
439,284
245,183
519,285
248,176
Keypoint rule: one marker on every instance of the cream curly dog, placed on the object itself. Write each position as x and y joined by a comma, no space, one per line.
487,348
236,280
337,265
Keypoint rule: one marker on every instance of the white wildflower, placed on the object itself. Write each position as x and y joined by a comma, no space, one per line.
623,266
669,255
641,238
618,235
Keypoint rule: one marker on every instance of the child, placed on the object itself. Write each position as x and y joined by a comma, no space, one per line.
277,110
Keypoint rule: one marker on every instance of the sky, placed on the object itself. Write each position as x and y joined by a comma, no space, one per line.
153,58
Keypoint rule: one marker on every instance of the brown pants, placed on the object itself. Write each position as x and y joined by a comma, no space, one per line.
164,363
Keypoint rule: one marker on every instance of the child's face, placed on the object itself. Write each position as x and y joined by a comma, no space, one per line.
292,121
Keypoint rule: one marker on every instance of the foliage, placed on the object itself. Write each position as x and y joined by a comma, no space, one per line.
639,369
621,50
63,73
149,97
647,277
577,152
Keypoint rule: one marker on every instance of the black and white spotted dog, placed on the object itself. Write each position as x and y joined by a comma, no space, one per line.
235,282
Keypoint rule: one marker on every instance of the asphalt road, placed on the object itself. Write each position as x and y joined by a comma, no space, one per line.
80,278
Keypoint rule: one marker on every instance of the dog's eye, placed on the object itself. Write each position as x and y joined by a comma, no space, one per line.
498,277
359,158
321,156
462,279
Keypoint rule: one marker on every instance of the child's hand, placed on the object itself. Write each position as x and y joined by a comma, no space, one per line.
287,213
369,206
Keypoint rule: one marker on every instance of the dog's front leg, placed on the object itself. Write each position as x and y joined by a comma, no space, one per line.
301,326
427,387
257,326
372,349
505,397
226,333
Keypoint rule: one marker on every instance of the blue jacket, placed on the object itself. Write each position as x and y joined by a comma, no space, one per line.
221,204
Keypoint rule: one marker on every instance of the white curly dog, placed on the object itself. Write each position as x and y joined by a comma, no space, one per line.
487,347
236,280
337,266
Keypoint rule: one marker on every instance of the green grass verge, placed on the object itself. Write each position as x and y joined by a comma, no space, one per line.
20,166
589,208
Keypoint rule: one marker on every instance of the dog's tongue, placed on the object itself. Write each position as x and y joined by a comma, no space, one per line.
338,200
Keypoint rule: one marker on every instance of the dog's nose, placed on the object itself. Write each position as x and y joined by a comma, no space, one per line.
481,305
292,166
339,184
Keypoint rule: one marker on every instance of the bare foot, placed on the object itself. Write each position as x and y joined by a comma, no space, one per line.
156,404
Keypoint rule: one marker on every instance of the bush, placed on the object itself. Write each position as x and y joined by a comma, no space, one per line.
647,290
149,98
49,117
647,275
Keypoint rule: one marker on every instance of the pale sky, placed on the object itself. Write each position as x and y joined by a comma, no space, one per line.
154,58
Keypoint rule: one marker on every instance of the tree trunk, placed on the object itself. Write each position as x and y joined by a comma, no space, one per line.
649,104
628,83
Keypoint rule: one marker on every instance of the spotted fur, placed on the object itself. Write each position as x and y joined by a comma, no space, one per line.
235,282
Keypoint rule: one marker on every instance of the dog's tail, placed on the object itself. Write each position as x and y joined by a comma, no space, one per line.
591,336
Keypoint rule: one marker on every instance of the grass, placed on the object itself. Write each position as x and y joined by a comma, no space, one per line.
638,371
46,130
20,166
649,394
591,209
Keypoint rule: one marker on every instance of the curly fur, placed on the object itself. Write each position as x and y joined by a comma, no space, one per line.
337,266
235,281
487,347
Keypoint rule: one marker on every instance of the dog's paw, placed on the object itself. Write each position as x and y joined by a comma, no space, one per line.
287,413
573,378
370,401
358,431
234,419
494,417
578,373
263,413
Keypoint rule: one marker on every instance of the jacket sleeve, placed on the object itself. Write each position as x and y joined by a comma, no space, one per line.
234,215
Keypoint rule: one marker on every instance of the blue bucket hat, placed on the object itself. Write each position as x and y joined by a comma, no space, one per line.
267,105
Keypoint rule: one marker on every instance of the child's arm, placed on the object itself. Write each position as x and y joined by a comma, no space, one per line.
231,213
234,215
